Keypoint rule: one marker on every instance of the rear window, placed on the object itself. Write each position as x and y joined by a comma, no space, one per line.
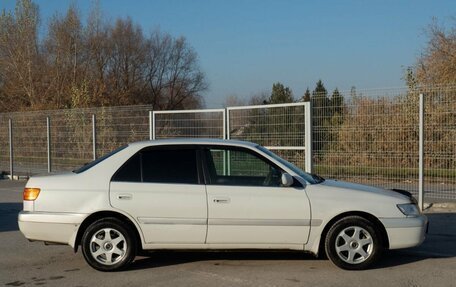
170,166
160,165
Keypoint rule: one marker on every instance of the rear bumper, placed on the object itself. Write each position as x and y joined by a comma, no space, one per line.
50,227
405,232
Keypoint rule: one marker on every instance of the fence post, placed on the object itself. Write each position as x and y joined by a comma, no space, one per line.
48,126
308,137
421,156
227,136
94,137
226,154
151,123
224,124
10,134
153,126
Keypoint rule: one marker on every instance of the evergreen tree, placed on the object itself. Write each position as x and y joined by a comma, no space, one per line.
353,93
320,105
320,96
328,114
306,97
321,116
337,103
280,94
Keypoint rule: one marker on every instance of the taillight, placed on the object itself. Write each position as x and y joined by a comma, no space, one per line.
31,193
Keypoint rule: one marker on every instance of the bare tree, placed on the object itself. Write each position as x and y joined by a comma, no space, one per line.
98,63
233,101
437,64
98,47
126,63
19,57
173,74
66,59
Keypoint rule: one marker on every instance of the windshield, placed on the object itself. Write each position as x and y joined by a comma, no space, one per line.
98,160
310,178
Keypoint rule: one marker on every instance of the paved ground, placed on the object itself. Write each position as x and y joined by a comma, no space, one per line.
32,264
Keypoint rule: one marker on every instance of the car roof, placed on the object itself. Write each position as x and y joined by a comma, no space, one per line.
193,141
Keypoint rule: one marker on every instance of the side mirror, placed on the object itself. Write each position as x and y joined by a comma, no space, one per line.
286,180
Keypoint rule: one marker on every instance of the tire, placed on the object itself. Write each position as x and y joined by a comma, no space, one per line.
353,243
108,244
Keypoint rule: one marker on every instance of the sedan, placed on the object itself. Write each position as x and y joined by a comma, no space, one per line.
206,194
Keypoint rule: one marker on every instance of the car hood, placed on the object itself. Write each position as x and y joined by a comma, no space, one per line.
343,185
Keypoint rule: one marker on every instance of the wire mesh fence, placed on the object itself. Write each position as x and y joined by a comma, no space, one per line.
440,143
119,126
369,137
372,137
209,123
281,128
71,136
4,142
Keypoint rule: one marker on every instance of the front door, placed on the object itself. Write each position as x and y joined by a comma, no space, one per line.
248,205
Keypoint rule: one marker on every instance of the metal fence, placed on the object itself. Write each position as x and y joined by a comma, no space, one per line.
373,137
283,128
74,137
209,123
370,137
440,142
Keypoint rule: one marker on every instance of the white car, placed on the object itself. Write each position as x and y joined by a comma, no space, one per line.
213,194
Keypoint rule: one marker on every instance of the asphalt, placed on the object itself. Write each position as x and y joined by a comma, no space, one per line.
24,263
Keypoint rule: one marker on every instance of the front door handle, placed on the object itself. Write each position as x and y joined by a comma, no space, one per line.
124,196
222,200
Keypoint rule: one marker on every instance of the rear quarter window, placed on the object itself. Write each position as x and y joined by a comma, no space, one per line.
130,171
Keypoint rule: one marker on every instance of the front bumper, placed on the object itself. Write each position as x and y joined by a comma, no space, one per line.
405,232
50,227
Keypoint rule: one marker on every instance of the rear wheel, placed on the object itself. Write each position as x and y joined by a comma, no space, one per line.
108,245
353,243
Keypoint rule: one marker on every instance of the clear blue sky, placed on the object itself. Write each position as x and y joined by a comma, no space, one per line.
246,46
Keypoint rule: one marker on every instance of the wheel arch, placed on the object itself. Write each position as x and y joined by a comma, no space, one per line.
104,214
363,214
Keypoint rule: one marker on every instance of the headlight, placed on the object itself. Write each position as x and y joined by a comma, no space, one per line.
409,209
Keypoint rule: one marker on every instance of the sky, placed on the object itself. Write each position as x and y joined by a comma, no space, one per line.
246,46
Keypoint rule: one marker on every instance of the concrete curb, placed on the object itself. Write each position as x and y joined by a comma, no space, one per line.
440,207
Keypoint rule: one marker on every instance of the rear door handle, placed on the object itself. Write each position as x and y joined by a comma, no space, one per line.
124,196
222,200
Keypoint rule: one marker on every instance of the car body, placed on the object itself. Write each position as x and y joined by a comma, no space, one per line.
213,194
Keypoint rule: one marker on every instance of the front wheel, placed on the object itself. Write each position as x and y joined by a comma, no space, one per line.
353,243
108,245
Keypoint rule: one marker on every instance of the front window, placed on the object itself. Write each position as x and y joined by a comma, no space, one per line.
227,166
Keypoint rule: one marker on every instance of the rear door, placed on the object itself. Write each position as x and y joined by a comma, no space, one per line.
162,188
246,203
